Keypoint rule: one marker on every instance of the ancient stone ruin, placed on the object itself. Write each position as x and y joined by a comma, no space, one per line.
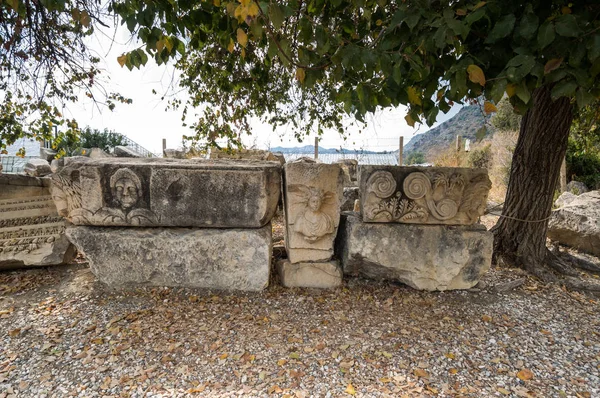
419,227
312,200
31,231
130,215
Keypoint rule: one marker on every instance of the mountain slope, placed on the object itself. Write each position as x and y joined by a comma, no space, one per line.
465,123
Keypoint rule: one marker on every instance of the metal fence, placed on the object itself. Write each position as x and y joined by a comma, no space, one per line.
14,164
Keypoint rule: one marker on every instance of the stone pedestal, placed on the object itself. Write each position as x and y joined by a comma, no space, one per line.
227,259
312,198
154,192
321,275
423,195
31,231
426,257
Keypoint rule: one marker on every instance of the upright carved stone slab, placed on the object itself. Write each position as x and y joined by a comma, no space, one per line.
313,194
423,195
31,231
168,192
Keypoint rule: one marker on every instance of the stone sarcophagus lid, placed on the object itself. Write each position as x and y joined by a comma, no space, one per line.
423,195
167,192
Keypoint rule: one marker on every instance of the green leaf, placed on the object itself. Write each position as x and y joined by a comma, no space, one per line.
497,90
480,133
593,47
566,25
523,93
545,34
583,97
564,88
275,15
502,28
412,20
475,16
528,26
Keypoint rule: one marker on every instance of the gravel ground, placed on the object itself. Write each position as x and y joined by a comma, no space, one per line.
64,334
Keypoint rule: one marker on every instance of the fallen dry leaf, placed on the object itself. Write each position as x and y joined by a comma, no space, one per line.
525,374
350,389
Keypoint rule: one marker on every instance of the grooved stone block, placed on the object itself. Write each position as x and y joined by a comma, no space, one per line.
323,275
227,259
425,257
167,192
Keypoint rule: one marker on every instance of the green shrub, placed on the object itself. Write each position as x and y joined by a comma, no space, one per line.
583,164
415,158
105,140
481,157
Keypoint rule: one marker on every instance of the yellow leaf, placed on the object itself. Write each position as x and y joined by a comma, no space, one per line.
479,5
242,37
160,45
565,10
453,371
217,3
200,388
253,10
409,120
243,53
413,96
488,107
450,355
421,373
282,362
169,43
551,65
511,89
525,374
274,389
300,74
14,332
122,59
503,391
294,355
350,389
476,74
14,4
231,45
378,22
224,356
85,18
385,380
486,318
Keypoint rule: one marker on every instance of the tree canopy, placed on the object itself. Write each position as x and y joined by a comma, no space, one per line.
312,62
45,64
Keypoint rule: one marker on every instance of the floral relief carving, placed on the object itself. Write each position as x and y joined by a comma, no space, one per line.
431,196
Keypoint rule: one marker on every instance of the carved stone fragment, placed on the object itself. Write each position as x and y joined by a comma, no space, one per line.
313,194
423,195
425,257
31,231
227,259
320,275
167,192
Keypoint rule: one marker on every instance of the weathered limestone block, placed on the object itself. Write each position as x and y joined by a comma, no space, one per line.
126,152
32,233
15,186
243,154
36,167
167,192
423,195
426,257
321,275
47,154
577,223
228,259
313,195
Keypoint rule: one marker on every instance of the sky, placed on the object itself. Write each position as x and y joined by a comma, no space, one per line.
146,122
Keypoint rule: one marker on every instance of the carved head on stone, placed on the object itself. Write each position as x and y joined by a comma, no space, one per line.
126,188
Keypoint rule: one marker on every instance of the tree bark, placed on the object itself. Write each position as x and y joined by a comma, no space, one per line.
520,235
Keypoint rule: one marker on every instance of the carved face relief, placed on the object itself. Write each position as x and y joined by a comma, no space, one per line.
312,222
126,193
315,202
126,188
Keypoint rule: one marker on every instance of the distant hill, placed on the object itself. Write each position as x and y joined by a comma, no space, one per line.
465,123
311,149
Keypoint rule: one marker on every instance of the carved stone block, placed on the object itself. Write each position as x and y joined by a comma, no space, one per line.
228,259
167,192
423,195
313,195
31,231
320,275
425,257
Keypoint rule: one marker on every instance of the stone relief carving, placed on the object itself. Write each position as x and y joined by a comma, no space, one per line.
432,196
125,193
312,222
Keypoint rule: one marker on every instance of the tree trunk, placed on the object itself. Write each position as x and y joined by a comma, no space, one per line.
520,235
